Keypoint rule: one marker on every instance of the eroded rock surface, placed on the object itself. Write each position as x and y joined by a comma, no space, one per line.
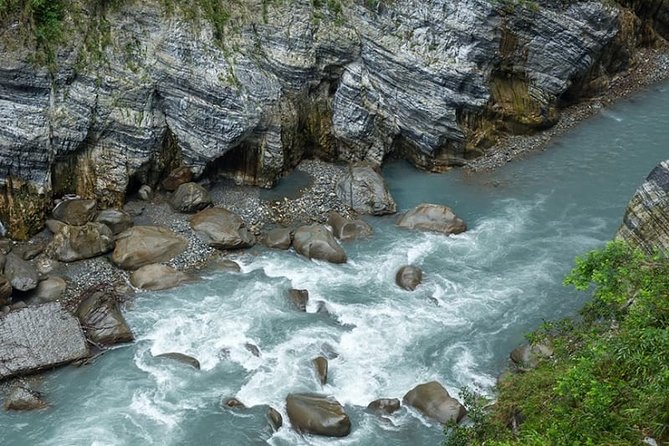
433,400
316,242
222,229
144,245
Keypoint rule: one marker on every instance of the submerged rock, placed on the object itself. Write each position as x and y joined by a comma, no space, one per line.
363,189
227,265
222,229
433,217
101,317
74,243
233,403
278,238
22,275
345,229
253,349
317,414
39,337
433,400
157,277
408,277
190,197
75,212
299,298
646,221
180,357
316,242
321,367
144,245
24,398
384,406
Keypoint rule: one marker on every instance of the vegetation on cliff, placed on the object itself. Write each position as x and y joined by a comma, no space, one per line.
608,380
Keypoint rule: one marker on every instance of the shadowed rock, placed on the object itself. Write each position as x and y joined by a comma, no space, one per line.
433,217
24,398
5,290
158,277
101,317
278,238
408,277
75,212
433,400
228,265
22,275
363,189
39,337
321,367
116,220
180,357
345,229
299,298
222,229
190,197
233,403
384,406
177,177
50,289
275,419
73,243
316,242
144,245
318,415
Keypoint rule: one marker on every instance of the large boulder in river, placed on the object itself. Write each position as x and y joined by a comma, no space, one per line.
22,275
101,317
177,177
433,217
157,277
222,229
318,415
316,242
345,229
181,357
384,406
39,337
116,220
363,189
143,245
190,197
321,368
299,298
433,400
278,238
408,277
73,243
75,212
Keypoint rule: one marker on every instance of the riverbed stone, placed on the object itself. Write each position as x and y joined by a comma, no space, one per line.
74,243
384,406
222,229
432,217
5,290
317,414
75,212
115,219
316,242
145,192
22,398
101,317
39,337
346,229
227,265
22,275
190,197
144,245
157,277
363,189
177,177
278,238
233,403
408,277
299,298
433,401
181,357
528,356
320,364
274,418
50,289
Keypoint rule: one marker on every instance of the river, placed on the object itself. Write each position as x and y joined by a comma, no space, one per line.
483,291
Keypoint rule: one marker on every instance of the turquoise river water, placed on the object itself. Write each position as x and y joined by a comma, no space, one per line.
483,291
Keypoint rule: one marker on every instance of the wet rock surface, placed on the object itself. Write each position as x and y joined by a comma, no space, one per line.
158,277
433,401
432,217
22,398
346,229
101,317
318,415
299,298
316,242
181,357
190,197
409,277
384,406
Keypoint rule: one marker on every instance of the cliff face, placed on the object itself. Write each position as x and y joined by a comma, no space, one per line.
646,221
139,90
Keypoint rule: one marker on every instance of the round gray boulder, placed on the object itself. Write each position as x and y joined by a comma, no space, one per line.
157,277
384,406
222,229
75,212
278,238
363,189
190,197
316,242
299,298
318,415
116,220
408,277
74,243
180,357
345,229
144,245
432,400
432,217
